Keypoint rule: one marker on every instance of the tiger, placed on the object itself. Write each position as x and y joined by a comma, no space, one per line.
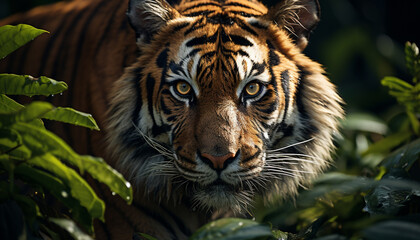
204,105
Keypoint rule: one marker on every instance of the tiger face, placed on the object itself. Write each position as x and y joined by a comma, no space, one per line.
221,105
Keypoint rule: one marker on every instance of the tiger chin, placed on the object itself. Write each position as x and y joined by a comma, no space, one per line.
221,105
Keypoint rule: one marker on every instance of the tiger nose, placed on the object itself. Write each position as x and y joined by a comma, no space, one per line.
219,162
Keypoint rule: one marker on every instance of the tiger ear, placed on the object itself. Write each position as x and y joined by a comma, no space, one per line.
298,17
148,16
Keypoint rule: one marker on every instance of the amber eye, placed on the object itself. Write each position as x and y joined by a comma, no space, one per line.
183,88
252,89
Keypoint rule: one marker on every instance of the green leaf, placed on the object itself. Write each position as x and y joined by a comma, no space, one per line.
404,157
147,237
58,189
393,229
79,188
280,235
11,144
71,228
396,84
390,195
232,228
13,37
69,115
27,114
42,141
412,59
414,122
364,122
13,84
102,172
388,143
8,105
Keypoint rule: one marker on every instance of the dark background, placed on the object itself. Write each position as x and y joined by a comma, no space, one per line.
358,41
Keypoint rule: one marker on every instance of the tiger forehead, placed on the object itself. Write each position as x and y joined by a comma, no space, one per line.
212,9
218,58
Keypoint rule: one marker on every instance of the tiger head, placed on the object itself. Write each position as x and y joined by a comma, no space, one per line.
221,104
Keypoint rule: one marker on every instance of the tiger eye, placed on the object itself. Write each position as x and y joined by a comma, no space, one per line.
183,88
252,89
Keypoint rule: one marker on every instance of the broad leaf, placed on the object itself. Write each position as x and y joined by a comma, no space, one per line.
102,172
391,230
364,122
404,157
30,113
388,143
79,188
147,236
412,58
8,105
13,37
232,228
58,189
13,84
71,228
41,141
396,84
11,144
69,115
389,196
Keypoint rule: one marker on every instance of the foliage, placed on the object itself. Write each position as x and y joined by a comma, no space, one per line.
35,164
376,195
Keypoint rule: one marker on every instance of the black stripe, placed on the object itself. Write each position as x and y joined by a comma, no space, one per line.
180,27
308,128
52,41
245,27
245,14
110,23
236,39
285,78
253,156
258,24
287,130
176,68
274,59
236,4
260,67
195,14
139,101
162,59
202,40
150,87
200,5
59,66
242,53
79,52
165,108
157,130
272,106
196,25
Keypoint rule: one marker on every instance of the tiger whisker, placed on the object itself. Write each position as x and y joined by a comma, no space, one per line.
288,170
290,160
291,154
154,144
289,146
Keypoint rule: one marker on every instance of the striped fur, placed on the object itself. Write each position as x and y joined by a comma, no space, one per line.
170,144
